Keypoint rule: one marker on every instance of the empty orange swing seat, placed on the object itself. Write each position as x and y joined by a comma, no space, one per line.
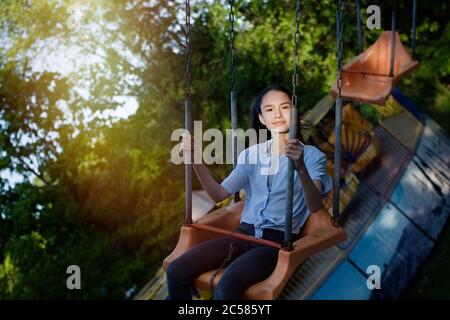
366,77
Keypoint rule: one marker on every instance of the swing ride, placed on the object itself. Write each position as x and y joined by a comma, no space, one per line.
375,215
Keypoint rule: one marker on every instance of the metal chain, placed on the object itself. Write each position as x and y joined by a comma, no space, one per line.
232,49
413,29
296,45
340,44
188,50
223,265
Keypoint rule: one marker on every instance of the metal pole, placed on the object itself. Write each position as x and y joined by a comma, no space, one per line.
358,25
337,159
234,128
188,120
233,106
393,26
290,184
413,36
188,165
338,118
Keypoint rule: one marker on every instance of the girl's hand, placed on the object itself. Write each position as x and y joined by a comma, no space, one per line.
294,150
188,142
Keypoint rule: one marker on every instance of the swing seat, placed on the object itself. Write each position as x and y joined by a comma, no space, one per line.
318,234
366,77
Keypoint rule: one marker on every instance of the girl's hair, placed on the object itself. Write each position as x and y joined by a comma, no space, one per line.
256,110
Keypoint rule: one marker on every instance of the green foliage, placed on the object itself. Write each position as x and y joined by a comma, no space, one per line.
45,234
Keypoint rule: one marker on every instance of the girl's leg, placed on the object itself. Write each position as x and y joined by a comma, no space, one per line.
203,257
251,267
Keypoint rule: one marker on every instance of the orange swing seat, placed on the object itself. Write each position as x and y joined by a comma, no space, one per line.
366,77
317,234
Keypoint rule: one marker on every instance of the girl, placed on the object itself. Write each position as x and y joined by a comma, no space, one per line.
263,215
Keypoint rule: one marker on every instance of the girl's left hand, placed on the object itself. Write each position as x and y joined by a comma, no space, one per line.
294,150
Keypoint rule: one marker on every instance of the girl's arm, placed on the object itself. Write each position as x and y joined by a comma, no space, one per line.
312,190
209,184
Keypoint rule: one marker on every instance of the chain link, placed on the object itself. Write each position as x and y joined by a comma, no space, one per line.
223,265
296,46
232,49
188,50
340,44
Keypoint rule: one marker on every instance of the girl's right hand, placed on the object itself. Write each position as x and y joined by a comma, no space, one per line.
188,142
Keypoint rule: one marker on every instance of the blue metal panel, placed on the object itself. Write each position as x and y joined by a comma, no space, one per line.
394,244
345,283
365,204
423,193
392,159
420,198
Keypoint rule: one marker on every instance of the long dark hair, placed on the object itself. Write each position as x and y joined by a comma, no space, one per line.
256,110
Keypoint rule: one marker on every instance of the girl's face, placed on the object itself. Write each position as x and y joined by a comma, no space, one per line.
276,111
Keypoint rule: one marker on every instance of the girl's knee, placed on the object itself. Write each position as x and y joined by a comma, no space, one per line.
228,289
176,272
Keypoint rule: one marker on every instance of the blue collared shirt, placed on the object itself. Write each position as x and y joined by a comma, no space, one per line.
265,207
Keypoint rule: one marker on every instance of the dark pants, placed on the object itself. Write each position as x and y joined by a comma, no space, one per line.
251,263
